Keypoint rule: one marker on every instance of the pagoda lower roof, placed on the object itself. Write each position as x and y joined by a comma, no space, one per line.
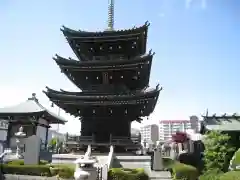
108,64
79,34
84,98
31,107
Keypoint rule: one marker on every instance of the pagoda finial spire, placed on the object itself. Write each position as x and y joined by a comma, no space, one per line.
110,14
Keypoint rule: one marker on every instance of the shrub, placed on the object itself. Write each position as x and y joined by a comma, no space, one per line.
211,175
62,171
217,151
231,175
34,170
127,174
182,171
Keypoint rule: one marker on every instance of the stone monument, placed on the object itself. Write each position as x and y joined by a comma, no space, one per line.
157,159
32,150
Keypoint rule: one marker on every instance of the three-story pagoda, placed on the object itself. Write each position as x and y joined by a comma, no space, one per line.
112,70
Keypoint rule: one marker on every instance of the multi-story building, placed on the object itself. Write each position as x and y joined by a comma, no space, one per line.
150,133
169,127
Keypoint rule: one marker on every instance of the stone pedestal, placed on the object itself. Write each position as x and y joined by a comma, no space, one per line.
157,159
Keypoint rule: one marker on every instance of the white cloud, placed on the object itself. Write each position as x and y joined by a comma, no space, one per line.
188,3
161,15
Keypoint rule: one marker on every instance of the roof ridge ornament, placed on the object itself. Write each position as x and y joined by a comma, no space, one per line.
34,98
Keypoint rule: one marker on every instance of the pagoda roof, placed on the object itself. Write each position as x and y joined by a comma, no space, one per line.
70,33
225,122
31,107
60,95
108,64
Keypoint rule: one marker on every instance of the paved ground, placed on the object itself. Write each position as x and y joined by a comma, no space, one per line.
160,175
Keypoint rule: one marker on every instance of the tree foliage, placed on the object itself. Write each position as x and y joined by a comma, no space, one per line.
217,149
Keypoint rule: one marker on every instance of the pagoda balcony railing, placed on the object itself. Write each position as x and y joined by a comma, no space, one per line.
113,140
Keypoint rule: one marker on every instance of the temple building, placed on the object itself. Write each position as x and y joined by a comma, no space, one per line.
112,71
32,116
225,123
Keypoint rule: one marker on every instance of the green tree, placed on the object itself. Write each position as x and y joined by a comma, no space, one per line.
217,150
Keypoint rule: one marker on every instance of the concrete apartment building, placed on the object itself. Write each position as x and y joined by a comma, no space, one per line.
169,127
150,133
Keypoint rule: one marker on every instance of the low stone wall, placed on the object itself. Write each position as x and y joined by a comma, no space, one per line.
25,177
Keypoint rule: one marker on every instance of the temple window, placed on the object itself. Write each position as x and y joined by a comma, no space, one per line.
110,111
133,47
121,77
100,47
138,72
110,47
94,111
97,77
134,42
119,47
86,77
110,77
126,111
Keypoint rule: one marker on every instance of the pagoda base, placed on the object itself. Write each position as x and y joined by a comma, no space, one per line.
121,144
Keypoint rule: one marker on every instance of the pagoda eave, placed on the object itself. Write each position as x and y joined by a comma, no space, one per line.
140,60
138,96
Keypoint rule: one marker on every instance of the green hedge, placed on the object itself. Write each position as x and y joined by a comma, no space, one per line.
34,170
21,162
17,167
182,171
127,174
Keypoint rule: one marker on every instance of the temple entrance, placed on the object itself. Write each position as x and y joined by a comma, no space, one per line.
102,137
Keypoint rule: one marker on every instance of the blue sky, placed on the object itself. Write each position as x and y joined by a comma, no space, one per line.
196,62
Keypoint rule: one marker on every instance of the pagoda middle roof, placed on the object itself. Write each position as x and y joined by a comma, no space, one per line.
31,107
84,95
86,34
61,61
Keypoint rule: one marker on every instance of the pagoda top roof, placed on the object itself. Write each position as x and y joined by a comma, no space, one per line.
31,107
70,32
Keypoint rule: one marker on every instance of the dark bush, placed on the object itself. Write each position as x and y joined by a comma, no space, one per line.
127,174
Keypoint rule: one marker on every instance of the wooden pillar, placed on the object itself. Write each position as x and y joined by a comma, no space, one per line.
9,135
46,140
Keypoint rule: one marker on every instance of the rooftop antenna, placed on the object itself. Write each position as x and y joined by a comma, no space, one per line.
110,15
